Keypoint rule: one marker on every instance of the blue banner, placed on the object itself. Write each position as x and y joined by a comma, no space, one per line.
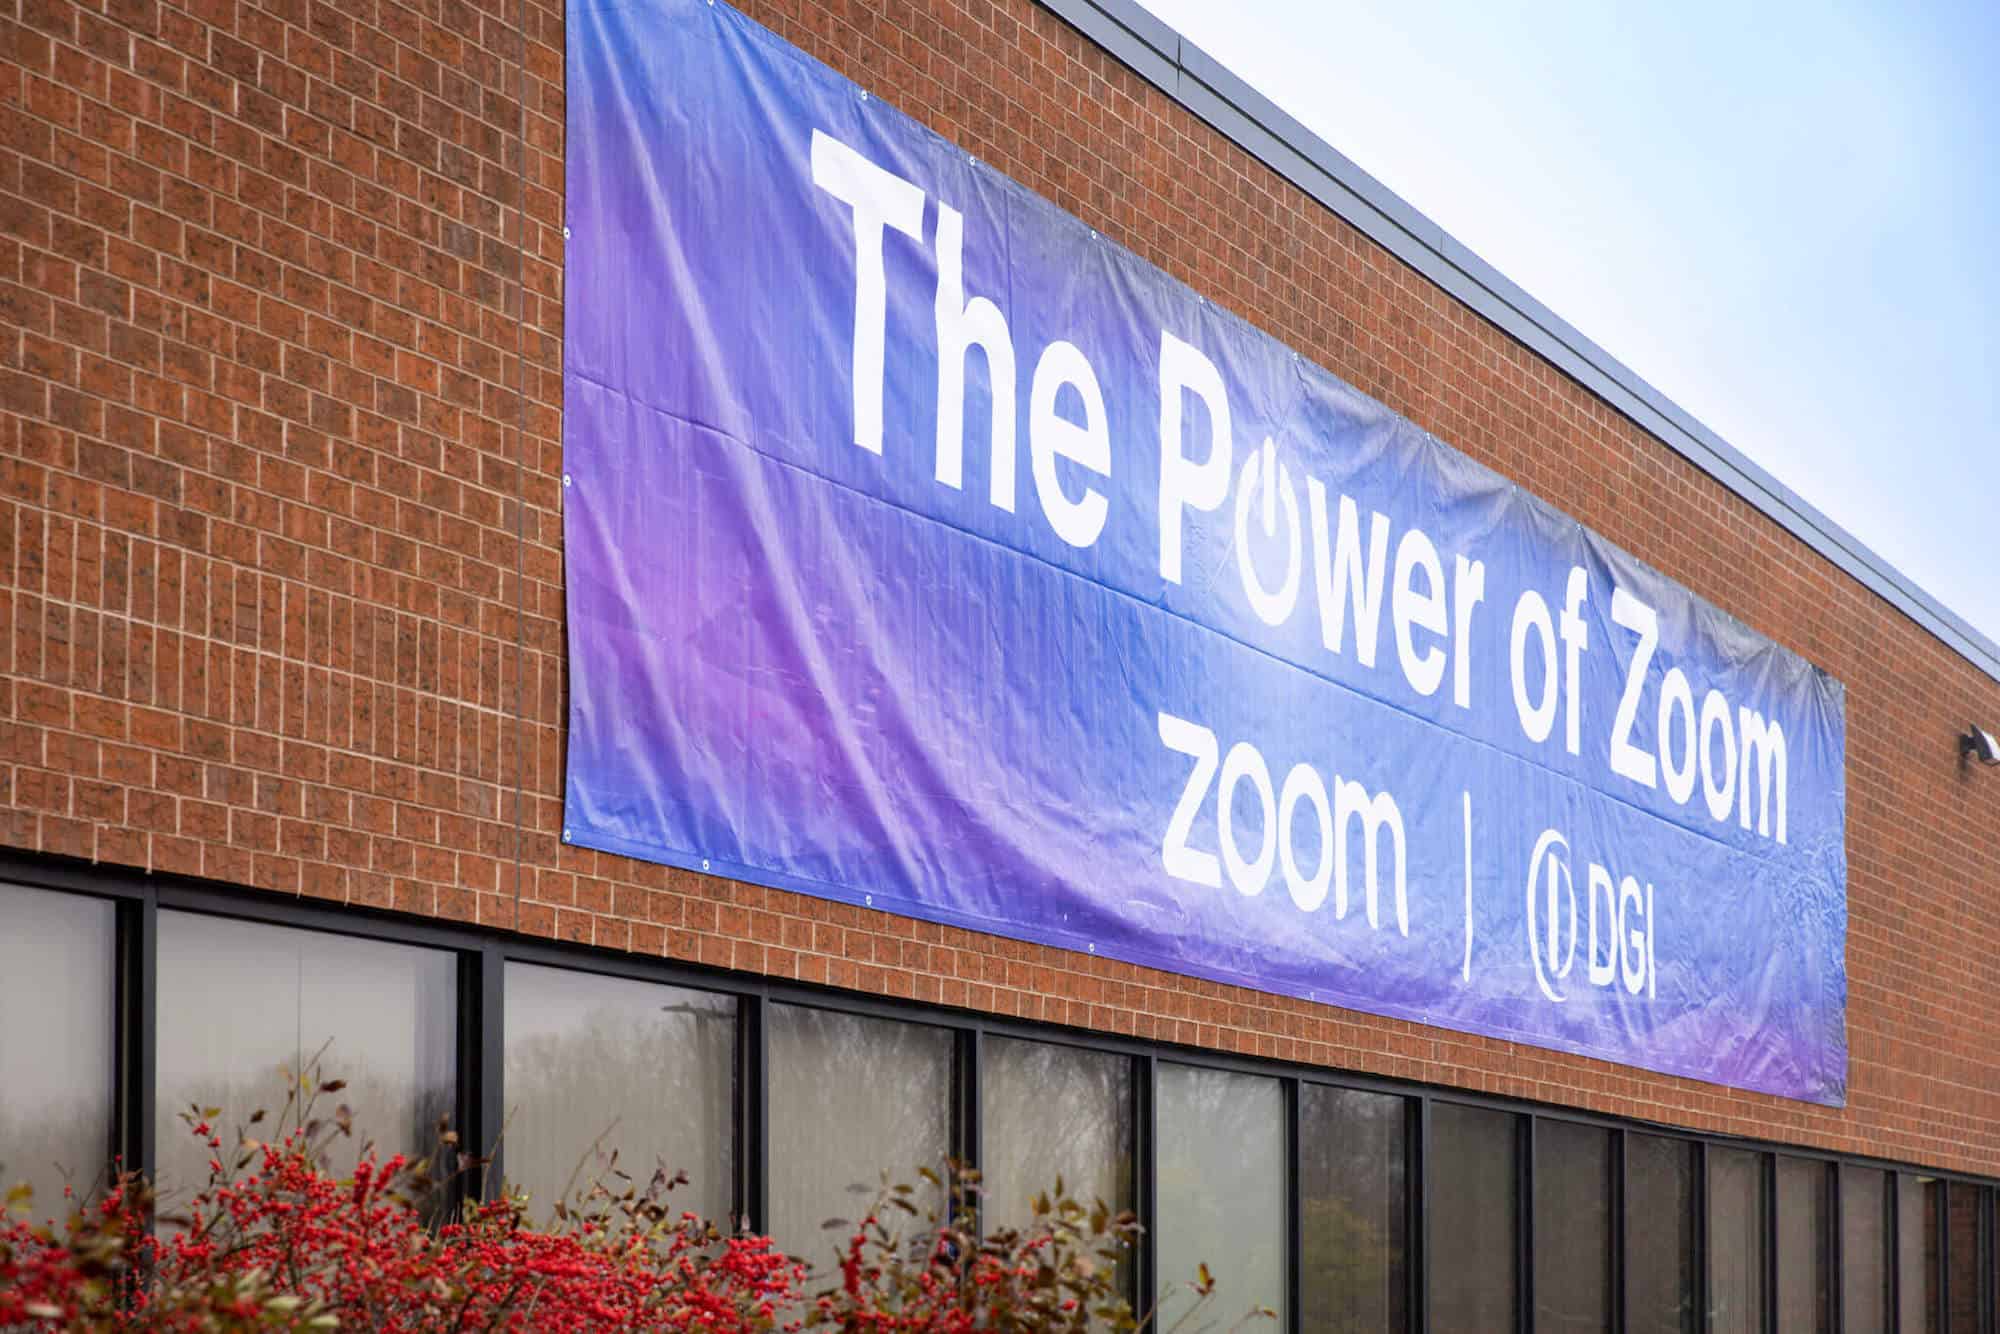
929,551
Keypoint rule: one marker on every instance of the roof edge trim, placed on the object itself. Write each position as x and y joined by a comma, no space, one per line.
1182,70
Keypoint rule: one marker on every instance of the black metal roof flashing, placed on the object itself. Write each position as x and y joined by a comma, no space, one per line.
1201,84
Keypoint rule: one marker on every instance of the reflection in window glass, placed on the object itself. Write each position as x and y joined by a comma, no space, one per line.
1963,1203
1736,1295
598,1066
1660,1235
1805,1262
1475,1201
56,960
1864,1250
1572,1228
1046,1111
1917,1253
1354,1210
239,1002
1221,1190
851,1098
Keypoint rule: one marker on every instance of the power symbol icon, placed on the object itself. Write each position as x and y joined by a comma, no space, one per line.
1272,608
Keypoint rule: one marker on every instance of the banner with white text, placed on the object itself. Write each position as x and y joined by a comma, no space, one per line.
929,551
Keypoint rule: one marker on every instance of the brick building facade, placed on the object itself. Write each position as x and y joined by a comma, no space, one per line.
280,517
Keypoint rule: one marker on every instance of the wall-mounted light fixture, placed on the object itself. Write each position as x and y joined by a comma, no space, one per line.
1980,744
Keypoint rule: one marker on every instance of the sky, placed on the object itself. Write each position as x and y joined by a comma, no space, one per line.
1784,216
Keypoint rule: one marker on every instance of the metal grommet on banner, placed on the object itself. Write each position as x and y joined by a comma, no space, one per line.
704,863
566,229
566,481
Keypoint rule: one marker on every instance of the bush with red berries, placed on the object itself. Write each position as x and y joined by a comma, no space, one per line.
275,1240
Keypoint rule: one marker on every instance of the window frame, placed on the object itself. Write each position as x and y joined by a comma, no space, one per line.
482,953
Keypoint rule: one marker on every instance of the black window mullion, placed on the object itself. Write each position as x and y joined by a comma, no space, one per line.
1769,1176
967,1135
136,1046
1619,1316
753,1128
1943,1213
1896,1223
482,1062
1420,1210
1943,1221
1836,1252
1978,1255
1989,1249
1945,1255
1146,1144
1981,1257
1702,1275
1524,1224
1294,1218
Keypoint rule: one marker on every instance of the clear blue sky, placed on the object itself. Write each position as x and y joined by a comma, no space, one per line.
1784,216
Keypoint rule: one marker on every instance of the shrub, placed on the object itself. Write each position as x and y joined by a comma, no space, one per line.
274,1240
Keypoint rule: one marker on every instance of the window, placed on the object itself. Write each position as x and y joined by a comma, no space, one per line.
242,1002
1864,1251
1475,1211
1737,1293
1221,1191
850,1098
1354,1197
1805,1240
57,955
1963,1201
1047,1111
1715,1237
1572,1228
602,1065
1660,1259
1917,1252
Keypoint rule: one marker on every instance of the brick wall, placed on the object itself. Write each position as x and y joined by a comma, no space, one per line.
280,529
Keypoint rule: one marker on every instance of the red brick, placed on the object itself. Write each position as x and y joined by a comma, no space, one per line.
260,280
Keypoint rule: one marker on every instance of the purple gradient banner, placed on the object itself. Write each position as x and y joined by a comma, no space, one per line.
927,550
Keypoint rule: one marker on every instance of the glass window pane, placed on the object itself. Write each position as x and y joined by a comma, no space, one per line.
1805,1265
1221,1191
851,1098
1475,1205
1046,1111
240,1001
1963,1202
1917,1253
1353,1155
597,1065
1864,1250
57,952
1572,1228
1736,1241
1660,1235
